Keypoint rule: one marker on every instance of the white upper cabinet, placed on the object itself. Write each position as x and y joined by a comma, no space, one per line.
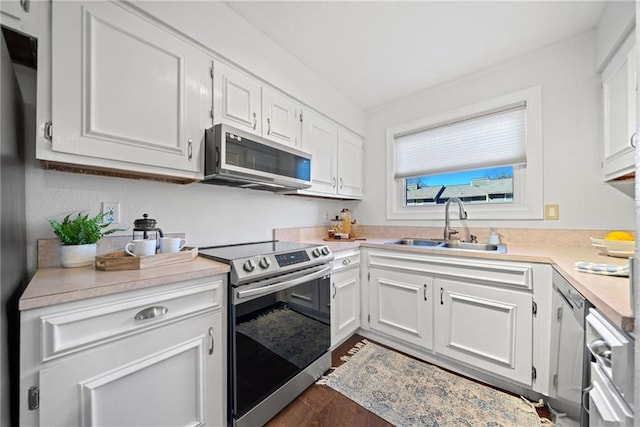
320,138
126,94
281,118
350,164
237,99
245,103
20,15
336,166
619,86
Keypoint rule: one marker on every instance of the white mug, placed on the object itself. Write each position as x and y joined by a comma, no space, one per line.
171,244
141,247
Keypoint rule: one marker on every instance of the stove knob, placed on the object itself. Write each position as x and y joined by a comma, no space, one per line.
325,250
249,266
265,263
316,252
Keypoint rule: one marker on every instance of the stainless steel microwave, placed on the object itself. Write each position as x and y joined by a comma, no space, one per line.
240,159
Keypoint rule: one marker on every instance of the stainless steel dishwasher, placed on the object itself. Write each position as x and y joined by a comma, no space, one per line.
569,362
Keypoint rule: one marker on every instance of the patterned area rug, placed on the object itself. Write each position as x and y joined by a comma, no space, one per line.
291,335
408,392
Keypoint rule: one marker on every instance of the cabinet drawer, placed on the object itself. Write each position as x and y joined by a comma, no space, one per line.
346,260
80,328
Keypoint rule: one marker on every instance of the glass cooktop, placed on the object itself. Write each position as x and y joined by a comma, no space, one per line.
228,253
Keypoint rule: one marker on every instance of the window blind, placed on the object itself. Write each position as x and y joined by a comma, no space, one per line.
490,140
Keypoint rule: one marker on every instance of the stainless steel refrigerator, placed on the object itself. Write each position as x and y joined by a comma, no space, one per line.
13,264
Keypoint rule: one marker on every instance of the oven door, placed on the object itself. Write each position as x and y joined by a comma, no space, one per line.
278,328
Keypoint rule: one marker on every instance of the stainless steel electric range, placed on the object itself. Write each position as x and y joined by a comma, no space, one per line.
279,324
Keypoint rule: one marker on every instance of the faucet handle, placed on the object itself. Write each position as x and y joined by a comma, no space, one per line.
451,233
473,238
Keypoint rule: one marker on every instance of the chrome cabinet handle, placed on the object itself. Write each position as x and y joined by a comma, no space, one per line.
26,5
425,291
212,341
341,183
255,120
441,293
346,261
633,140
151,312
190,150
335,290
268,126
334,182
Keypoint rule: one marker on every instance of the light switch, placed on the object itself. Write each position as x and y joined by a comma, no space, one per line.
551,212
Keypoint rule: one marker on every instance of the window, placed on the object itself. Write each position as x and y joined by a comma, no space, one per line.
488,154
490,185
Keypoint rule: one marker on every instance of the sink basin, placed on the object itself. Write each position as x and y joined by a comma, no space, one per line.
452,244
471,246
409,241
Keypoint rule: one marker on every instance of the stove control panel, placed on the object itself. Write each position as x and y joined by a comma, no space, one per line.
291,258
262,266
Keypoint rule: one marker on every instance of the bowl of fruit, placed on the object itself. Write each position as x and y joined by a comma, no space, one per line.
621,244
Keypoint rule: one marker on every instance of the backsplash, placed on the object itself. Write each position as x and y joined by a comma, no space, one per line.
514,236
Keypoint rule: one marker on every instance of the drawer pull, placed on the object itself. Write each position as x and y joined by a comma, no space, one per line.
151,312
212,342
346,261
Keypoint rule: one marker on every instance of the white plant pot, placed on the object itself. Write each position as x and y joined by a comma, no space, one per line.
78,255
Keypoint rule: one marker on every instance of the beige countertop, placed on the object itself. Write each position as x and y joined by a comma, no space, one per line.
609,294
59,285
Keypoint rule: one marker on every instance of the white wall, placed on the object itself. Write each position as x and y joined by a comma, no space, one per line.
571,132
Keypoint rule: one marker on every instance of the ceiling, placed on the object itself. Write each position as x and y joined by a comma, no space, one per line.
376,52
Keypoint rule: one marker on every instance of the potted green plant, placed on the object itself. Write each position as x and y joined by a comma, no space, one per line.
79,236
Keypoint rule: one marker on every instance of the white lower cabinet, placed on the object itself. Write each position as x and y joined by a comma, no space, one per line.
401,305
345,296
464,312
149,358
485,327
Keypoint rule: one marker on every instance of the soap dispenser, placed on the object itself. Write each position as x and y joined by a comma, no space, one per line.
494,237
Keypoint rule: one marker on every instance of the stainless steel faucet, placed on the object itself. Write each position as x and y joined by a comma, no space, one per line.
448,232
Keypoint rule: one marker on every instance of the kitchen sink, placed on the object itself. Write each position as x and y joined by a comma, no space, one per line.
449,244
468,246
409,241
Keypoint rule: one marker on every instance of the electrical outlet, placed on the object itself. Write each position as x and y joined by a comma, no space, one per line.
111,210
551,212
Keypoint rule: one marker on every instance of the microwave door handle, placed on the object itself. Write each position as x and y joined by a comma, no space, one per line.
283,285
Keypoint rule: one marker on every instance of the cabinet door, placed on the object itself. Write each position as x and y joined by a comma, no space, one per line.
484,327
345,304
169,376
350,163
619,83
320,138
280,118
401,306
125,89
237,99
21,15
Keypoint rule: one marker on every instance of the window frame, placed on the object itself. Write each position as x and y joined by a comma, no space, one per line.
527,179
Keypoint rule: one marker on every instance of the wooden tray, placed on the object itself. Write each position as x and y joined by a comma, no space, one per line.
117,261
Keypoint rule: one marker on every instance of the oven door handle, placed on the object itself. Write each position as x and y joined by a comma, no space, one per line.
264,290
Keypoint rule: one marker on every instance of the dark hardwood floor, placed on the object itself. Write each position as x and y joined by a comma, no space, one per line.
322,406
